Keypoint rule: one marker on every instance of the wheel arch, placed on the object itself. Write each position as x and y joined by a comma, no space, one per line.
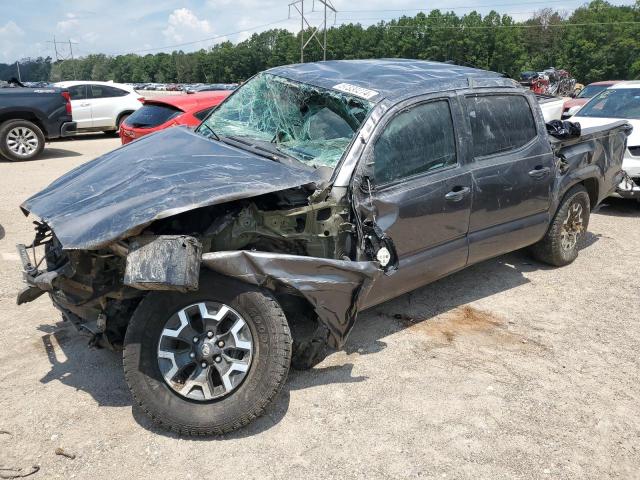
593,189
122,114
27,115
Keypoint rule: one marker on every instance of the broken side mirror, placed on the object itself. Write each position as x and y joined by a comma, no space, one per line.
379,247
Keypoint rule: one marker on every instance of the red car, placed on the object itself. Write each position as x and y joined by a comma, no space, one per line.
164,112
585,95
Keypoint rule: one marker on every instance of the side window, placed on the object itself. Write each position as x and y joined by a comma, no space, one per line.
500,123
202,114
418,140
103,91
78,92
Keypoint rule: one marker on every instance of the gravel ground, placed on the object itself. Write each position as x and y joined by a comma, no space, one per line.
509,369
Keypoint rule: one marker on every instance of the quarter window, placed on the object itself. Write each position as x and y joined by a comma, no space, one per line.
78,92
202,114
103,91
500,123
418,140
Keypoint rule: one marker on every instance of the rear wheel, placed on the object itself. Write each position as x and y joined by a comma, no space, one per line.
121,119
207,362
20,140
566,233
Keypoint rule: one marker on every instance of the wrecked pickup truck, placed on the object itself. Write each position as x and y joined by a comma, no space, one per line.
218,258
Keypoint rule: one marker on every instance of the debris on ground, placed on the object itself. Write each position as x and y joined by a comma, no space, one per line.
9,473
63,453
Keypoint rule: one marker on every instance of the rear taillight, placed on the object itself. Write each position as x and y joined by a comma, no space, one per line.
141,99
67,105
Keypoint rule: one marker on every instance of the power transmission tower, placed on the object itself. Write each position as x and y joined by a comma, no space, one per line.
61,57
327,6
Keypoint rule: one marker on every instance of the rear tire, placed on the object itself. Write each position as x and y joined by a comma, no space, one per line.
121,119
169,406
20,140
565,235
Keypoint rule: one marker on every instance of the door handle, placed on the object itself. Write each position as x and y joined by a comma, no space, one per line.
539,172
457,193
85,104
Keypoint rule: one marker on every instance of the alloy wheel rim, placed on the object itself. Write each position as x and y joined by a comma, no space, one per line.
205,351
22,141
572,227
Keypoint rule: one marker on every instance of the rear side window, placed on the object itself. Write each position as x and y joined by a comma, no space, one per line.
103,91
500,123
202,114
78,92
418,140
151,115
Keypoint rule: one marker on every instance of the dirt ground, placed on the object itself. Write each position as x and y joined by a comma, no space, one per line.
507,370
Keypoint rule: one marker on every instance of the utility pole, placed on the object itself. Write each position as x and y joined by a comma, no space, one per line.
327,6
18,67
62,57
73,64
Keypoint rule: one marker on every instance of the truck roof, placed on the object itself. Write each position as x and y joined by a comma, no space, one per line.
393,78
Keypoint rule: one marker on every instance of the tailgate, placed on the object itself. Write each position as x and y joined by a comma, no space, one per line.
598,149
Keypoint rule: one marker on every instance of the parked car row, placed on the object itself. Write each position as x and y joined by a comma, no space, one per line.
184,87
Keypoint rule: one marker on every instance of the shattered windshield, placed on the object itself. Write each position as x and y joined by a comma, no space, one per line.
312,124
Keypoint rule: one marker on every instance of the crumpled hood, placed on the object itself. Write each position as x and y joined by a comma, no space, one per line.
158,176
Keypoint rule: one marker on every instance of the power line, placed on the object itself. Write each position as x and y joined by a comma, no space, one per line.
459,7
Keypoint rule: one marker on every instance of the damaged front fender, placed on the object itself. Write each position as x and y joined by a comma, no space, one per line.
335,288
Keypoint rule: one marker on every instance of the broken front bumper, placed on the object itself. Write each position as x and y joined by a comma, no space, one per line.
38,282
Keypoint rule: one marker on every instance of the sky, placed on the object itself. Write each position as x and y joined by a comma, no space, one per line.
27,27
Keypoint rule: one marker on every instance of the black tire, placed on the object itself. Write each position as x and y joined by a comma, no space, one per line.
121,119
33,130
266,375
550,249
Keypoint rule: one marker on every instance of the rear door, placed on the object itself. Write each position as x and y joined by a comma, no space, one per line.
80,106
105,104
513,168
422,193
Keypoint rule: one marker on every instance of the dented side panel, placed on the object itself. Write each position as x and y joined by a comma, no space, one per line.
335,288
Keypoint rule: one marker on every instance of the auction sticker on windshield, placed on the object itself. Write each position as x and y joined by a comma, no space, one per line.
355,90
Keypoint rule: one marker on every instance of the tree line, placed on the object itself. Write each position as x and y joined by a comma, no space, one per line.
597,41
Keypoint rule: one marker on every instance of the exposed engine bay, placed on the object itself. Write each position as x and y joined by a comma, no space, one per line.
98,290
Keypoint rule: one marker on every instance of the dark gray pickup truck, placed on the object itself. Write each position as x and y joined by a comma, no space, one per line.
29,117
218,258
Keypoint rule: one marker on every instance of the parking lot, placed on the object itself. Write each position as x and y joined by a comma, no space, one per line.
509,369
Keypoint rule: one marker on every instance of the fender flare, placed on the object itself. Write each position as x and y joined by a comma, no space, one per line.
334,288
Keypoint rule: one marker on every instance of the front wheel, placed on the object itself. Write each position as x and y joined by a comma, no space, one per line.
561,243
207,362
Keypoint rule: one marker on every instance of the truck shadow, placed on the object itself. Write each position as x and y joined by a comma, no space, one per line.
51,153
99,372
619,207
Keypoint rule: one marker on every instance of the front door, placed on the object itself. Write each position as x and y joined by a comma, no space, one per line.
513,171
421,195
80,106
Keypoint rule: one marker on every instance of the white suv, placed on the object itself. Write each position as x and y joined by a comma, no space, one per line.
101,106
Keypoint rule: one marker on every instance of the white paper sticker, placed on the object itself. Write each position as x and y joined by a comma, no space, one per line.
355,90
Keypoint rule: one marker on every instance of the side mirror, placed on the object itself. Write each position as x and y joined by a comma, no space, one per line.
367,186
